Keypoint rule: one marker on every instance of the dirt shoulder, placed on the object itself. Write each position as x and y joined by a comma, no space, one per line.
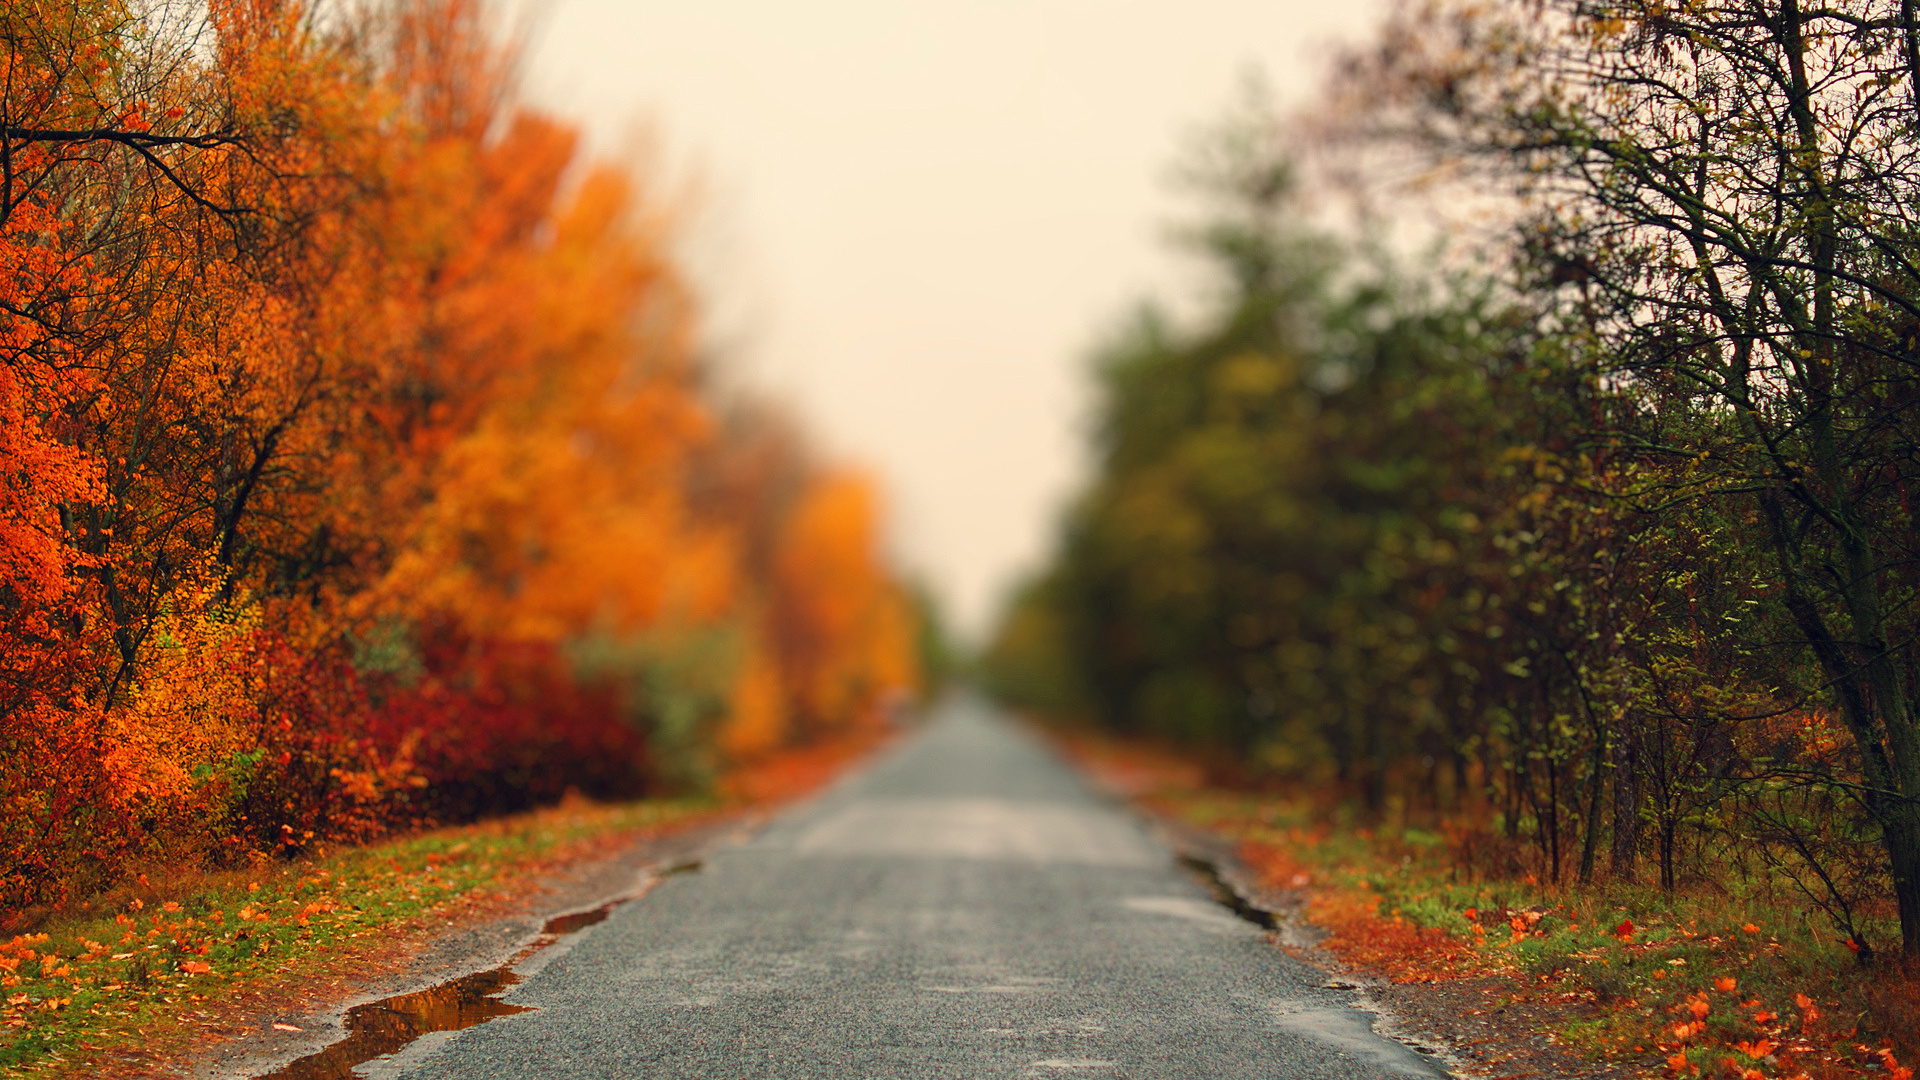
249,1036
1503,976
232,973
1486,1027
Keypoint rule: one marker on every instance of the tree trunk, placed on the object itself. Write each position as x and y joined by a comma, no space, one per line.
1597,785
1900,832
1626,810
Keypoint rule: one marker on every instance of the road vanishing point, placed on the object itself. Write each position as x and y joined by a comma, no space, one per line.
964,907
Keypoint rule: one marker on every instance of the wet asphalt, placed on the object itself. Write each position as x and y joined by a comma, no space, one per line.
963,908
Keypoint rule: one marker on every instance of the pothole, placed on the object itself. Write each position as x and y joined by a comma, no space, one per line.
383,1027
1226,895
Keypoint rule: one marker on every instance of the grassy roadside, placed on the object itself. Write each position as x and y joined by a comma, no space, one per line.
143,975
1695,984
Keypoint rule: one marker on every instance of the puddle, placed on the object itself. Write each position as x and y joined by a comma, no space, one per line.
1224,894
561,925
383,1027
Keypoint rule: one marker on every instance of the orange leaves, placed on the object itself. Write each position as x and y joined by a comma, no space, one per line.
301,533
841,625
1895,1070
1361,934
1809,1012
1685,1031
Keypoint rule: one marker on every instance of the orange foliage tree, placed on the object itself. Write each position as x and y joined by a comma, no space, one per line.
359,468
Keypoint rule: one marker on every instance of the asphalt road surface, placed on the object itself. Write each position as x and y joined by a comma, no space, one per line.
964,908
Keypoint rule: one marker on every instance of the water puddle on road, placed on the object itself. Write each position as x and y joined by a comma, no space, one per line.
383,1027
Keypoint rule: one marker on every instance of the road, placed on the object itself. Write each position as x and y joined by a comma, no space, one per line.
963,908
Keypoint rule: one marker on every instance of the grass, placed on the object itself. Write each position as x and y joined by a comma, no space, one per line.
1706,981
136,972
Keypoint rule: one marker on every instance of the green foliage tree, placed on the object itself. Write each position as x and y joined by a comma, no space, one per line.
1384,532
1719,203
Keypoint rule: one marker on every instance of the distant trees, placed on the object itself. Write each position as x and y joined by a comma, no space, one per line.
1622,538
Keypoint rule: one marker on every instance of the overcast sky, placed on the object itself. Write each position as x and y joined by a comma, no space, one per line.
920,214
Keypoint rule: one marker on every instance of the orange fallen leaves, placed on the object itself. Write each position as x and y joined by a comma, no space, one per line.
1809,1012
1360,934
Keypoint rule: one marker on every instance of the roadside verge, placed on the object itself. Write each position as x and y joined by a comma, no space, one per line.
237,973
1504,976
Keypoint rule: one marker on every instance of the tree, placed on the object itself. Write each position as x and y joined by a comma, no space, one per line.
1718,220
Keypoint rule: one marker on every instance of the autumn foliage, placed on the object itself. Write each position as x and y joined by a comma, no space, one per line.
359,466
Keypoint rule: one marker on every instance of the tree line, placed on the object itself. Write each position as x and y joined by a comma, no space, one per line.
362,469
1598,546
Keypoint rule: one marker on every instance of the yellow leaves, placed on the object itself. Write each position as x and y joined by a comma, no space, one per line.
189,709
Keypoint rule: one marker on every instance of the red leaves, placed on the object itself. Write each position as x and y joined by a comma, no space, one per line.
1624,930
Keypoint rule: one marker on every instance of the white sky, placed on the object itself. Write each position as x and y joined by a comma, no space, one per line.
920,214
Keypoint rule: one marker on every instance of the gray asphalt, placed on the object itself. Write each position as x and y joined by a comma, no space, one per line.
964,908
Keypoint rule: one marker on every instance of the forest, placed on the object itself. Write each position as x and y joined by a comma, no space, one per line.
365,468
1584,541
